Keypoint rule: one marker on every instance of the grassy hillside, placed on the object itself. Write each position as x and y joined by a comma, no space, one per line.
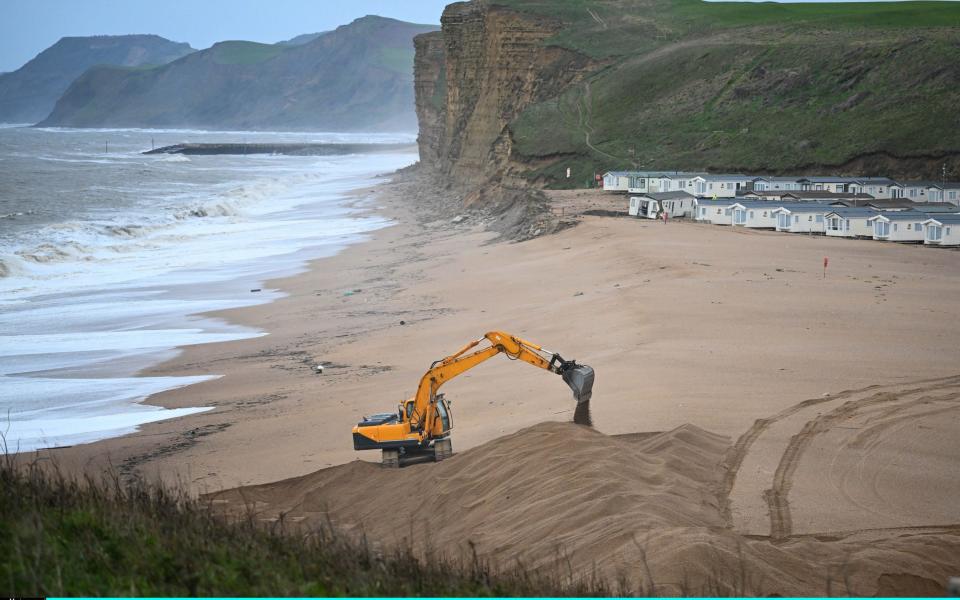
28,94
105,538
244,53
744,86
358,77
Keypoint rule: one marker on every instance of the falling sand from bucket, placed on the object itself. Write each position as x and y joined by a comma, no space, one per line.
581,416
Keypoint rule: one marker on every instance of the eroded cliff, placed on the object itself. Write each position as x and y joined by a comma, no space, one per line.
472,79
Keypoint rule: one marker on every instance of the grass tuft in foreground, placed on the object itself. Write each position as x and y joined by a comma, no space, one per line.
104,537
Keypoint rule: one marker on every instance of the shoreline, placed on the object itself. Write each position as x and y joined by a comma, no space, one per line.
127,291
128,452
668,315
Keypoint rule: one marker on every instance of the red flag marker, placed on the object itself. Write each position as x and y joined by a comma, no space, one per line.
826,261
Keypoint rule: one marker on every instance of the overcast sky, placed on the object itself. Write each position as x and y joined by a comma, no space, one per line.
29,26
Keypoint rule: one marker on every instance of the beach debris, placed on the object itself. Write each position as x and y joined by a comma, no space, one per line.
255,290
352,292
318,369
459,219
403,322
578,294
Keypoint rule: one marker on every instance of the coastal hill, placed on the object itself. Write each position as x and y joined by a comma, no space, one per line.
303,38
28,94
357,77
517,91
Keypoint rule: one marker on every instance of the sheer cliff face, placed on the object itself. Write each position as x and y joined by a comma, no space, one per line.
475,76
429,84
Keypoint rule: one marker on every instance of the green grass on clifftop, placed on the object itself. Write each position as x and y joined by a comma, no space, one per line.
105,538
763,87
605,28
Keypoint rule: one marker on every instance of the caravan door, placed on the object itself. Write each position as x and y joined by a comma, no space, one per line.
739,216
649,209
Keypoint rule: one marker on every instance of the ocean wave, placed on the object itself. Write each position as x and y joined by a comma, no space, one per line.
45,253
320,136
14,215
174,158
87,240
11,266
113,158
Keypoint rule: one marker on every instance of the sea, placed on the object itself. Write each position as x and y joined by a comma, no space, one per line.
108,257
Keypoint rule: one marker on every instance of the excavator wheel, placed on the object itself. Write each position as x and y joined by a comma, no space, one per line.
391,459
442,449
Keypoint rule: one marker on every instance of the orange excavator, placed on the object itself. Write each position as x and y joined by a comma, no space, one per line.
421,425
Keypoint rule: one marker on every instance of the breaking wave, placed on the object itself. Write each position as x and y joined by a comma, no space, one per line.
14,215
88,240
175,158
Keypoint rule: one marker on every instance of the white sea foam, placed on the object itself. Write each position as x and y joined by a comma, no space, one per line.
400,137
96,409
88,301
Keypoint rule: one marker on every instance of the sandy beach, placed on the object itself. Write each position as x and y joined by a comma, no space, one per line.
839,390
684,323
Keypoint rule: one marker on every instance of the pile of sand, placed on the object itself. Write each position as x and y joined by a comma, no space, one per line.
645,507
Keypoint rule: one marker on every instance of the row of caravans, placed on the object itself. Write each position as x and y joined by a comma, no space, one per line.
940,228
730,185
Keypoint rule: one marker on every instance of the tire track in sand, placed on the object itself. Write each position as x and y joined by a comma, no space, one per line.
759,468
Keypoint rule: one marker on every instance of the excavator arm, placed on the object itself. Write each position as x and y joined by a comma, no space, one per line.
578,377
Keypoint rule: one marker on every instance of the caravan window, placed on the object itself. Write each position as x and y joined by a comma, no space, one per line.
726,212
916,226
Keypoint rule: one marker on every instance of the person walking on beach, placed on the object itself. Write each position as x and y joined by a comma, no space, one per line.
664,215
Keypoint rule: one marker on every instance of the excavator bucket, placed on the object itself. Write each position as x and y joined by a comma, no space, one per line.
580,380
